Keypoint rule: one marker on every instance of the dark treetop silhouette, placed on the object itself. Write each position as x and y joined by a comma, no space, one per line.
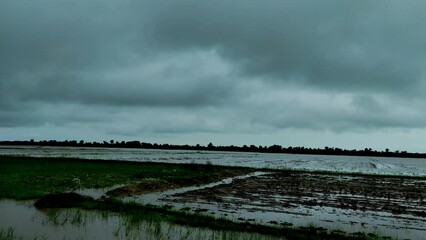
211,147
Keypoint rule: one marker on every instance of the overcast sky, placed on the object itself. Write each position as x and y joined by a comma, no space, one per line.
348,74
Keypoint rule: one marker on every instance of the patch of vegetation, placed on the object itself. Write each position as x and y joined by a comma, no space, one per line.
50,178
30,178
9,234
60,200
136,213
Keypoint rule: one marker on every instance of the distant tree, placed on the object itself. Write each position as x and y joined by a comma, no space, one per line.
275,148
133,144
210,146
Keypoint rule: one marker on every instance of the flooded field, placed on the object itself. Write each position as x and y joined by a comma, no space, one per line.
389,200
21,220
351,164
383,205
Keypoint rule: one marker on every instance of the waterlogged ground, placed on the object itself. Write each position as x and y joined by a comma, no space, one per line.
387,206
392,204
370,165
21,220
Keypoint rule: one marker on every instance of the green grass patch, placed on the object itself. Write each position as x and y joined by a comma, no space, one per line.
7,234
30,178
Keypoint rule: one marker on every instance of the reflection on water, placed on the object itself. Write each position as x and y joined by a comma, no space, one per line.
26,222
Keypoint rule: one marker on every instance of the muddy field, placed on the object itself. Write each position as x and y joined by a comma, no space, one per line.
392,195
390,206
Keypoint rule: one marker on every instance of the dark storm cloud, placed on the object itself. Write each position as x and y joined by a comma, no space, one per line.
360,45
163,82
213,66
65,51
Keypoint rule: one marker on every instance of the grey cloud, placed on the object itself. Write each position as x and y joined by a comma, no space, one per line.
334,44
213,67
18,119
295,108
63,52
200,80
39,114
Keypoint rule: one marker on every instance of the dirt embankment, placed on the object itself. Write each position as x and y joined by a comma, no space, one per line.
152,185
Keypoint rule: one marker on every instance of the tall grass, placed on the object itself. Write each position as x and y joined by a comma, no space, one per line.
124,226
7,234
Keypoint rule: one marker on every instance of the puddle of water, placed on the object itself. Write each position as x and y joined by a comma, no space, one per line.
28,223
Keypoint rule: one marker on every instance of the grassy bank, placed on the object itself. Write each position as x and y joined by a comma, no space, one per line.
30,178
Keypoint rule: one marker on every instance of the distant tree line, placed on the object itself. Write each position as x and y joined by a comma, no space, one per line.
211,147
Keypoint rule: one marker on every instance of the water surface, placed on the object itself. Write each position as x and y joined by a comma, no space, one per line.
351,164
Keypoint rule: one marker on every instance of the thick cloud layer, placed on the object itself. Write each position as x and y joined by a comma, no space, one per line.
131,69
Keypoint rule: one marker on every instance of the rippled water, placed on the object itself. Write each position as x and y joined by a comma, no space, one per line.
371,165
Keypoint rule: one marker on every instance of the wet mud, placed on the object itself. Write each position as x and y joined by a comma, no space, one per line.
366,193
157,185
390,206
140,188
